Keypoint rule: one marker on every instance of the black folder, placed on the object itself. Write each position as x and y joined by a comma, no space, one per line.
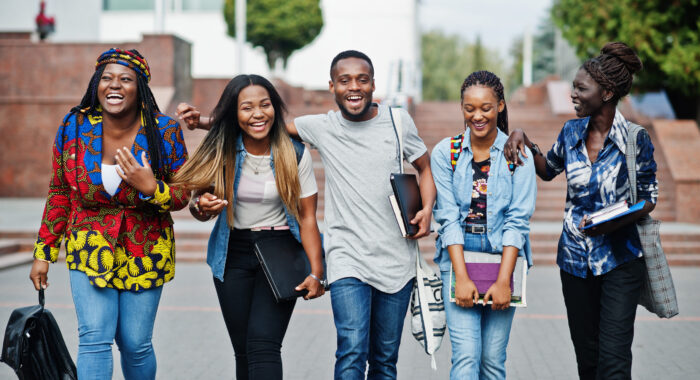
285,264
408,199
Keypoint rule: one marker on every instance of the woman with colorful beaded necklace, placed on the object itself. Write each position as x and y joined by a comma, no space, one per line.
109,197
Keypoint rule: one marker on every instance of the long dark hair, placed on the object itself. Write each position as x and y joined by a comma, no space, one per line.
489,79
614,68
148,109
214,161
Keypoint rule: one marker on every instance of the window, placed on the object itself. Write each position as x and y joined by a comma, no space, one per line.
202,5
128,5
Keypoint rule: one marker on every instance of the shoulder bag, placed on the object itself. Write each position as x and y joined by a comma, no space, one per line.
658,293
428,322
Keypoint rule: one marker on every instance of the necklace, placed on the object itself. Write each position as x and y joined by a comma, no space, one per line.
256,168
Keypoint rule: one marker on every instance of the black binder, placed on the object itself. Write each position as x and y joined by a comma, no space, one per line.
285,264
407,195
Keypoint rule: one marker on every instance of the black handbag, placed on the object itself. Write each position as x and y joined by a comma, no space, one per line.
34,347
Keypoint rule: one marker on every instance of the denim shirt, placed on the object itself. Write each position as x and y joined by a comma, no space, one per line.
510,199
593,186
218,240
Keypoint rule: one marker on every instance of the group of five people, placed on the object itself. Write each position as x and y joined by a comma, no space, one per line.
120,166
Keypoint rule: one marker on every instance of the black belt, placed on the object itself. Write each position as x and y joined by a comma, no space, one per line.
475,228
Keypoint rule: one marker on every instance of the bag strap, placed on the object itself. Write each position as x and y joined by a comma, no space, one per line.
456,149
631,158
422,271
396,122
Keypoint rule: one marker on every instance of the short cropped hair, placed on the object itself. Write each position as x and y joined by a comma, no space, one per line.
351,54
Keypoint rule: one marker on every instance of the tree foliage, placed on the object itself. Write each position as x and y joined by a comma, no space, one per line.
664,33
447,60
280,27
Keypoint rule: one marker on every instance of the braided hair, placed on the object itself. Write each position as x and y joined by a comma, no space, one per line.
614,68
490,80
90,105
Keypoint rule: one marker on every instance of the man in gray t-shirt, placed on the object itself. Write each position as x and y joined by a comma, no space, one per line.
370,265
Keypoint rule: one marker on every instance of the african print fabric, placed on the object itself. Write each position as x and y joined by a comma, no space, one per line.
123,241
592,186
480,176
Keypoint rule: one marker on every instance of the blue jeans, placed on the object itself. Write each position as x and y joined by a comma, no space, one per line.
369,324
479,335
106,315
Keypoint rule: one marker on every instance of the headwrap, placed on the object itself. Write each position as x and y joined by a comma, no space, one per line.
127,58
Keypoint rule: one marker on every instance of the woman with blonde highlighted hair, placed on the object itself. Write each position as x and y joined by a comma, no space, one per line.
260,182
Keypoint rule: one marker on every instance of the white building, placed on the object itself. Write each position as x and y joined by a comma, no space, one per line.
387,31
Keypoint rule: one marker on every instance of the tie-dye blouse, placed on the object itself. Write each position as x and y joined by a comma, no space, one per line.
123,241
593,186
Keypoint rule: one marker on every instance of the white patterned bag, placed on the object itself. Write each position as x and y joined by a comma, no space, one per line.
427,309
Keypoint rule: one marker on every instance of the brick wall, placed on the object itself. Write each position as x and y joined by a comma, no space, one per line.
40,82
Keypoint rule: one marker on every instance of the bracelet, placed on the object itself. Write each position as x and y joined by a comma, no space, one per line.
195,204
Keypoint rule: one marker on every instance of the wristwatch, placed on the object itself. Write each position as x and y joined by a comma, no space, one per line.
323,282
536,149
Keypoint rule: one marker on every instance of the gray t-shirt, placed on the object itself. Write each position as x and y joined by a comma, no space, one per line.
362,239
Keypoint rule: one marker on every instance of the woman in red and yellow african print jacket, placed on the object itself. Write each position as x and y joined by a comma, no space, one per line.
123,241
109,198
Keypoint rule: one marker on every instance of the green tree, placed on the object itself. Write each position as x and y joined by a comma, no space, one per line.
447,60
543,60
280,27
665,34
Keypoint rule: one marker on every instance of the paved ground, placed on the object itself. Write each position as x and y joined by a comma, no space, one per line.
191,342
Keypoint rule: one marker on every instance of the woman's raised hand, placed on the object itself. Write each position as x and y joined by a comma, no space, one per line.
140,177
515,143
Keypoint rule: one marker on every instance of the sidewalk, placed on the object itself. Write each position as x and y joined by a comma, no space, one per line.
191,342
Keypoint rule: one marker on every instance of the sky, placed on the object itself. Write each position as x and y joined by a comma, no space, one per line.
498,22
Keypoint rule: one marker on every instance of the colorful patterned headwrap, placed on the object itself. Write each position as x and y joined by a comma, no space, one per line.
127,58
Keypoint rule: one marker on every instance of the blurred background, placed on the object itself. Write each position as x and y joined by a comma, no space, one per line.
422,50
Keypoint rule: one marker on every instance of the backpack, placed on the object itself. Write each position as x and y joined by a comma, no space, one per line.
33,345
456,149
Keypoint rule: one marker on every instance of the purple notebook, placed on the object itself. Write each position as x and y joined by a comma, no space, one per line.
484,275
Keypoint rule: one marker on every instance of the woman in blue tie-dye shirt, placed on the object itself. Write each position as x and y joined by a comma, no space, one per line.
602,268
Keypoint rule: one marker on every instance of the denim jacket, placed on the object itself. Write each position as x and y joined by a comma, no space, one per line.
510,199
218,240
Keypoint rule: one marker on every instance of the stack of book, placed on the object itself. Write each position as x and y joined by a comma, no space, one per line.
483,268
612,212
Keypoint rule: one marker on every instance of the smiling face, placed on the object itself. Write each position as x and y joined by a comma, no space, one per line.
117,90
353,85
587,95
255,112
480,108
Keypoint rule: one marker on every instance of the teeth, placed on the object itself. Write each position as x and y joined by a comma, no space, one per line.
354,97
